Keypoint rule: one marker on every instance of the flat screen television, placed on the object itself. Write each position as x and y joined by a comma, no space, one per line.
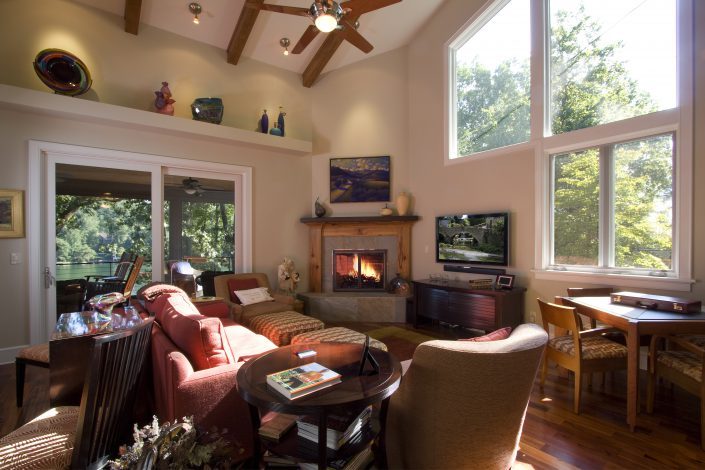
473,238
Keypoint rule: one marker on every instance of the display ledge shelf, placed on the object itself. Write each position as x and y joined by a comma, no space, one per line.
359,219
75,108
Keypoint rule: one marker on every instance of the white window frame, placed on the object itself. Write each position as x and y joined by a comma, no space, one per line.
678,120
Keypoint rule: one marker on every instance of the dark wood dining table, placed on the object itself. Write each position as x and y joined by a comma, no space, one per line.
635,322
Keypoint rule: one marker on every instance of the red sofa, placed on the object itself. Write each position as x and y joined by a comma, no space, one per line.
195,359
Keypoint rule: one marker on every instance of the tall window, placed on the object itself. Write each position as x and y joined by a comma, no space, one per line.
614,139
491,81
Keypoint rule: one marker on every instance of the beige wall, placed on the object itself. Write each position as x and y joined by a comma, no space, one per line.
126,70
361,110
505,182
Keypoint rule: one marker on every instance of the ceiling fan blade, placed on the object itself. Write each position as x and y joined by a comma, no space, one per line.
306,38
299,11
363,6
353,37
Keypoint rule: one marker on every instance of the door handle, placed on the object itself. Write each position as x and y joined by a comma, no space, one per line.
48,278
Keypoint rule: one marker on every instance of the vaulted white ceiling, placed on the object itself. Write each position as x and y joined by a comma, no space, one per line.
386,29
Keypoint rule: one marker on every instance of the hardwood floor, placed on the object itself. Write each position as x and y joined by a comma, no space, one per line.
553,437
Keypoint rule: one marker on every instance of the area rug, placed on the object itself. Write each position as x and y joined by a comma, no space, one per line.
401,341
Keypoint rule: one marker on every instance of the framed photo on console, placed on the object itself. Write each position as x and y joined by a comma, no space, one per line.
504,281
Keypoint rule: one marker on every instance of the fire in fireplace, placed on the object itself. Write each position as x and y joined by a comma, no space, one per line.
359,270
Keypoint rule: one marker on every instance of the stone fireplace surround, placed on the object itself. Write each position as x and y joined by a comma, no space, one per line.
392,233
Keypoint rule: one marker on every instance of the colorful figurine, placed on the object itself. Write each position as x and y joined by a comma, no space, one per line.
163,102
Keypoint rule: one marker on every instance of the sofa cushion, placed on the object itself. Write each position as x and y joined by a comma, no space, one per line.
245,344
502,333
201,338
254,296
240,284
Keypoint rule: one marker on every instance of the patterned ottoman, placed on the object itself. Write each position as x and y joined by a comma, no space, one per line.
280,327
336,334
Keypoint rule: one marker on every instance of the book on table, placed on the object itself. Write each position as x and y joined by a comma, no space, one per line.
302,380
278,425
340,428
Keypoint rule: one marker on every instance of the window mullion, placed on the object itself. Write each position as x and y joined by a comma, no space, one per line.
607,225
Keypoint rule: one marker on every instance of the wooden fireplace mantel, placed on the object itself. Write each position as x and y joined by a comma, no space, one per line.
322,227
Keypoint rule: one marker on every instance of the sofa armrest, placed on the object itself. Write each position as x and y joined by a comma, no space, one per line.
212,398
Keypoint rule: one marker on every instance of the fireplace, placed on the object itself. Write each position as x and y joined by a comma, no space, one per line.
359,270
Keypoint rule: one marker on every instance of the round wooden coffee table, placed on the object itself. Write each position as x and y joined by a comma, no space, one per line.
352,393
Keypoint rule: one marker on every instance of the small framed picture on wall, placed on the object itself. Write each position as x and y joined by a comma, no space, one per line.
505,281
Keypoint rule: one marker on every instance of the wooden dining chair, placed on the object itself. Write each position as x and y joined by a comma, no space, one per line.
589,292
582,352
36,355
86,436
684,367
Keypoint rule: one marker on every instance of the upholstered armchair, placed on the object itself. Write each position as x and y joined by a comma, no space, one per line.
226,285
462,404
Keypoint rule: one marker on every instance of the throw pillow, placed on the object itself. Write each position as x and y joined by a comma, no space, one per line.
253,296
502,333
240,284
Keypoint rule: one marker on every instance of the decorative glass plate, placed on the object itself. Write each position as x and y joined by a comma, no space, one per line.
62,71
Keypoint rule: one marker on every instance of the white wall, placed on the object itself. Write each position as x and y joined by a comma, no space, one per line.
505,182
126,70
361,110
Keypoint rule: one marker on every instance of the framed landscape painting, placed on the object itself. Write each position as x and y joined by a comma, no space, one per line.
11,213
360,179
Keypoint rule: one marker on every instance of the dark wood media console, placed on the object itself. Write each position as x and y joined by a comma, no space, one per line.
456,303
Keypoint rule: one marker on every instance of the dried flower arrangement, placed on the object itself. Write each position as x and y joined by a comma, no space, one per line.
176,446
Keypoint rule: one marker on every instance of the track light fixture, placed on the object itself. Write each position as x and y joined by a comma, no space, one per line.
195,8
284,42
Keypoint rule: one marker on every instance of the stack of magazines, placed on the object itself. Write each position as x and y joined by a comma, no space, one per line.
341,428
302,380
359,461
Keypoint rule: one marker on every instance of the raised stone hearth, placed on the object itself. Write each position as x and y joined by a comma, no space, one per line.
355,306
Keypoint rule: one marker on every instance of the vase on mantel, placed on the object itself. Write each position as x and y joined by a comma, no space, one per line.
402,203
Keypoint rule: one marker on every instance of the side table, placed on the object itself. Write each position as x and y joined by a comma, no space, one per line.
352,393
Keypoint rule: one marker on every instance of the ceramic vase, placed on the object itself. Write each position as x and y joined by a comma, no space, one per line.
319,209
264,123
402,202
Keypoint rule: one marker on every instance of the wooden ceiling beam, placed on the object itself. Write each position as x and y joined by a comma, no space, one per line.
324,54
243,28
133,10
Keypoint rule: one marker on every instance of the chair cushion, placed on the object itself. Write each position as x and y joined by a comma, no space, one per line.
201,338
253,296
38,352
594,347
697,340
684,362
496,335
45,442
240,284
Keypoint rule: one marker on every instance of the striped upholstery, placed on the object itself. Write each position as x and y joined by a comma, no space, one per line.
594,347
684,362
45,442
337,334
38,352
280,327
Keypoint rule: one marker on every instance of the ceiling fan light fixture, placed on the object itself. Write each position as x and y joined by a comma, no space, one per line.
190,191
326,15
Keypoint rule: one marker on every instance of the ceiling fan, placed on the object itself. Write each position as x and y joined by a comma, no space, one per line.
330,16
192,187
